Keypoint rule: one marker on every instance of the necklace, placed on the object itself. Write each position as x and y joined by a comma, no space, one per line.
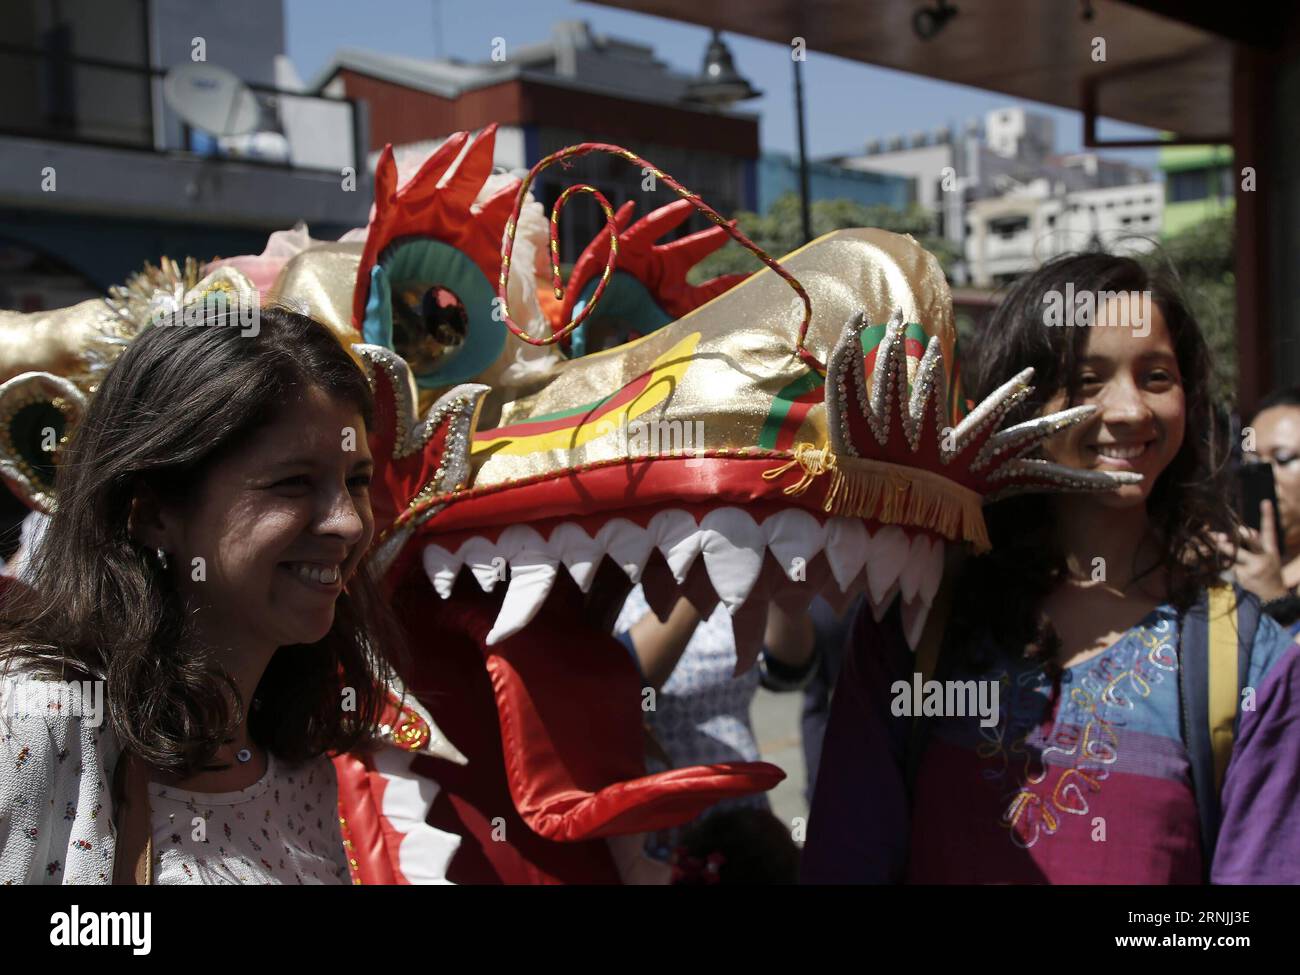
243,756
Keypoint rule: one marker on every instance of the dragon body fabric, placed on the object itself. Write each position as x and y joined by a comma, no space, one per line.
753,444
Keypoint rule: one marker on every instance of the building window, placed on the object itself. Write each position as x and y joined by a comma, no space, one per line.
1225,182
1186,186
1008,227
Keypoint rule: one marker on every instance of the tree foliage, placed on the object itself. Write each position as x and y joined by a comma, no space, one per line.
1201,257
779,231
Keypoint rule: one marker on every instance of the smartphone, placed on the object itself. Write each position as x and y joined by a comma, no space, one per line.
1255,484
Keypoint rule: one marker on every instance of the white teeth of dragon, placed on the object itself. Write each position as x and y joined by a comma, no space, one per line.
838,558
532,570
846,549
733,554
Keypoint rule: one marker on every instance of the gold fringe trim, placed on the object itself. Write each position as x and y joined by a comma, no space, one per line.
890,493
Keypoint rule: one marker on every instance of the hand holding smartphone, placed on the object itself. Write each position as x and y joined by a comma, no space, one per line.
1255,485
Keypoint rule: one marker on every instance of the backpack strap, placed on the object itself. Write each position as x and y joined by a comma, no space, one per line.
1223,684
1216,638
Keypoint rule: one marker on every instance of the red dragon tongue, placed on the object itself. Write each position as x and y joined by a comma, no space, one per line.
561,685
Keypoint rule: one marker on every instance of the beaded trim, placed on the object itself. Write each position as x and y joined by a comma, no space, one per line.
16,395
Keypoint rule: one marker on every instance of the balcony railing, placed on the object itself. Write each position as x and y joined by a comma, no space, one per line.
93,101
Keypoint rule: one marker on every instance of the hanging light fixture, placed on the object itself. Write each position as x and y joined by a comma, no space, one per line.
719,83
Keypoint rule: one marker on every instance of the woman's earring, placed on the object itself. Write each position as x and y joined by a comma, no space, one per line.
162,558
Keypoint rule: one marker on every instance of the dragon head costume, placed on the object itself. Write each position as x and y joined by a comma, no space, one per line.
763,439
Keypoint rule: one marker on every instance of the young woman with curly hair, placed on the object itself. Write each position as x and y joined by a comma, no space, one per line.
1078,617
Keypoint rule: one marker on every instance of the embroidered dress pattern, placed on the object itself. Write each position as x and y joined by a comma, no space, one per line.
1064,760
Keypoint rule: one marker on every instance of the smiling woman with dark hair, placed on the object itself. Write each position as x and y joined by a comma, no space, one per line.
205,571
1088,624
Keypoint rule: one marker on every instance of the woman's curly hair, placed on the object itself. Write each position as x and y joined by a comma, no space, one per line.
1186,504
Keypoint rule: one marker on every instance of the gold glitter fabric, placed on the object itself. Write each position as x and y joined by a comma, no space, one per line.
727,372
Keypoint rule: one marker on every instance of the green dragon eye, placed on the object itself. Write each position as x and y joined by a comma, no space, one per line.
435,308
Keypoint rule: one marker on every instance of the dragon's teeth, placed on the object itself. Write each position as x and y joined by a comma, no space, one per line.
886,556
531,576
441,567
628,544
847,549
679,539
733,554
915,614
932,572
485,560
880,606
794,537
839,599
578,551
909,580
837,558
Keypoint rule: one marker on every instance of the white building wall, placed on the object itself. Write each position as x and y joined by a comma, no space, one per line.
1013,234
924,163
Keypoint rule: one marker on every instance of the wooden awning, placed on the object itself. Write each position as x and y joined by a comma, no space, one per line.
1158,71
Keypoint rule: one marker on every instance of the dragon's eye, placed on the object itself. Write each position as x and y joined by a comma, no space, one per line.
428,322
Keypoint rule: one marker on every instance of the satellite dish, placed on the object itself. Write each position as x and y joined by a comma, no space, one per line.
211,98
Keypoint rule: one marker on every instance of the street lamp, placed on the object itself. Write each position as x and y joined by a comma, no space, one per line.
719,84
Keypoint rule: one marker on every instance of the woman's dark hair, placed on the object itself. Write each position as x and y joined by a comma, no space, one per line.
750,846
1186,503
174,404
1286,396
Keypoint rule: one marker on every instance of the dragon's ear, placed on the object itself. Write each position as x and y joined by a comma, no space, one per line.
37,413
649,287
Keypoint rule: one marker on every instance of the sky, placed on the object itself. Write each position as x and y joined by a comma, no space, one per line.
847,102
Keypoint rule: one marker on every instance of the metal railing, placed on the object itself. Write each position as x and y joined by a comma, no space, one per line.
93,101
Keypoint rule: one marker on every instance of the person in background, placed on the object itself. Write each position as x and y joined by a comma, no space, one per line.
1260,568
828,650
702,712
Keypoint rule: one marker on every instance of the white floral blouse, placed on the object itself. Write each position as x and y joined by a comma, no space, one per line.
56,817
282,829
56,822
